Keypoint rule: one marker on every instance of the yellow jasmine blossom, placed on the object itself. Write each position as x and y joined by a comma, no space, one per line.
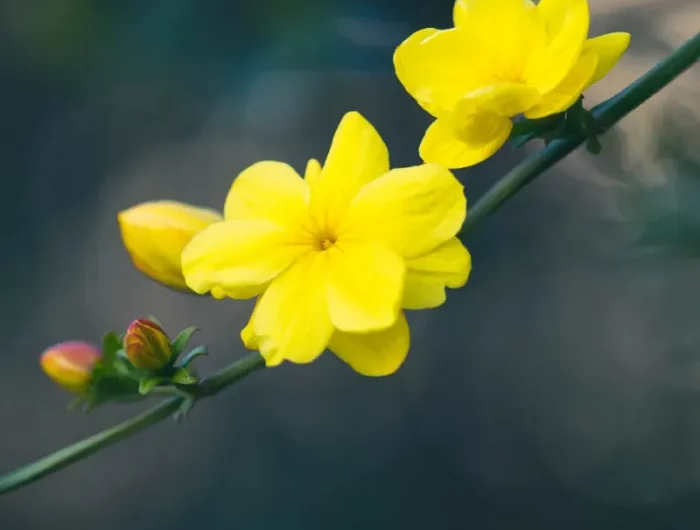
154,234
336,256
503,58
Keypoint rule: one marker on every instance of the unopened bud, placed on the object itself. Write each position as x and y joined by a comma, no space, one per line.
146,345
155,233
69,364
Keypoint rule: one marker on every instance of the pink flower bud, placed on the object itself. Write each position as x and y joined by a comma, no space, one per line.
69,364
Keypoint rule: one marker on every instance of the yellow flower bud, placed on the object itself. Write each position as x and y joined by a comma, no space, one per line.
146,345
155,233
69,364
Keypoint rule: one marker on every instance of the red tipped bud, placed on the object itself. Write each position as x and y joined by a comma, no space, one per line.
69,364
147,345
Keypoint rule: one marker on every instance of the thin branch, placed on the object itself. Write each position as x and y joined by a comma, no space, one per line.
49,464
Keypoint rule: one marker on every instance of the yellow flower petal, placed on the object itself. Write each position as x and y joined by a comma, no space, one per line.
503,99
155,233
503,35
357,156
569,90
412,69
566,23
239,293
411,210
609,48
461,10
408,71
218,293
364,287
480,123
427,276
240,257
291,320
271,191
438,67
481,136
248,336
312,172
374,354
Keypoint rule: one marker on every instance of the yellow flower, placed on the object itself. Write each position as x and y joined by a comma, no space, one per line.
146,345
334,258
69,364
503,58
154,234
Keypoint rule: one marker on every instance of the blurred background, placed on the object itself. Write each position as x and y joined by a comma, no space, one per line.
559,389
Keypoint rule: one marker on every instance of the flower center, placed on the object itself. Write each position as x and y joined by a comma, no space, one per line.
324,239
326,242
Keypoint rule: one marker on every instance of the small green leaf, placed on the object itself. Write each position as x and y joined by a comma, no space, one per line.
183,377
74,403
185,409
110,346
148,383
199,351
525,130
180,342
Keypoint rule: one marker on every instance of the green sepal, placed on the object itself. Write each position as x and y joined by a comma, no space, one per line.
199,351
154,320
549,136
111,344
74,403
148,383
186,407
113,378
524,127
180,342
525,130
593,145
182,377
111,387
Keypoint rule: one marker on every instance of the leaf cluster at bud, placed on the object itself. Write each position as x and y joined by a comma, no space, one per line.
138,362
575,120
171,370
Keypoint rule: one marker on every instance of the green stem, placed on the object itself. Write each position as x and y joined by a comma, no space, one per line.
606,115
56,461
49,464
229,375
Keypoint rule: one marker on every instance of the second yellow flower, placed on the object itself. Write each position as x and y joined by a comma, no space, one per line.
503,58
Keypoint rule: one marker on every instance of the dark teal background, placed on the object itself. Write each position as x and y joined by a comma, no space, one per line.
558,390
